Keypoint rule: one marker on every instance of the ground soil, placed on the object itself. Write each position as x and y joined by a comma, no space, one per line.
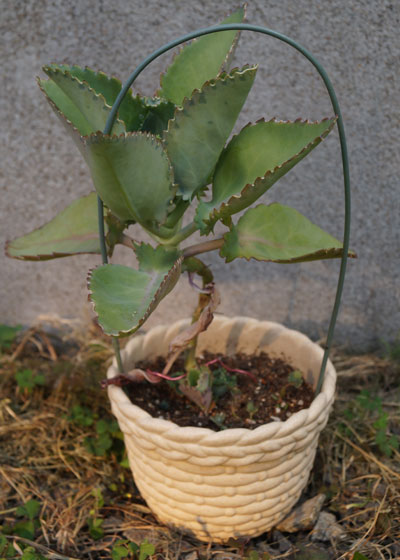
61,447
268,390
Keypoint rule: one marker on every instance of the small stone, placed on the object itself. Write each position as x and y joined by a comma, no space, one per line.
327,529
283,543
191,556
304,517
263,547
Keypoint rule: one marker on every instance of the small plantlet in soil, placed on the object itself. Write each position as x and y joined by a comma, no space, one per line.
270,391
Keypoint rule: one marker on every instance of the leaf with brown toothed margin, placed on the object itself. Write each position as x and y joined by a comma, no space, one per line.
86,110
197,135
199,61
132,110
133,176
253,161
124,298
73,231
280,234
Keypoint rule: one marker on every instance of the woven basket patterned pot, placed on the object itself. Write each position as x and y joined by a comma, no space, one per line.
236,482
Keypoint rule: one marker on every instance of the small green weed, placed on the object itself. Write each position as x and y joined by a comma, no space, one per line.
358,556
295,378
124,549
219,420
392,351
108,439
222,382
95,528
127,549
6,549
28,525
369,408
31,554
28,379
80,415
251,409
7,336
94,522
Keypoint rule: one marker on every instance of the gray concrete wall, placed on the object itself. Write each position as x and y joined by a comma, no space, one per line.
358,43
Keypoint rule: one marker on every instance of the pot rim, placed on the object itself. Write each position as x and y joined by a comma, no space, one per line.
160,425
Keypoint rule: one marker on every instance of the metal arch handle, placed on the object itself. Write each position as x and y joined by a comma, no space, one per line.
342,138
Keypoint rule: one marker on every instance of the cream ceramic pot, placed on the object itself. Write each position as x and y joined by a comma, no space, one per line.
233,483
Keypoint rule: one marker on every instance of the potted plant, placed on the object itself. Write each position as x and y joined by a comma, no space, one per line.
151,159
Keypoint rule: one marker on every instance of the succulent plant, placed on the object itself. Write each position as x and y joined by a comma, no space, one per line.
165,154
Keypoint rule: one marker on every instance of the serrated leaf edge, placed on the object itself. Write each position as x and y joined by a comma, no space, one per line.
97,136
75,79
180,49
337,252
45,256
214,215
91,90
95,72
334,252
146,315
231,53
129,94
222,77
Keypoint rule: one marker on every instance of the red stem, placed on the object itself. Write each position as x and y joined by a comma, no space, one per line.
232,370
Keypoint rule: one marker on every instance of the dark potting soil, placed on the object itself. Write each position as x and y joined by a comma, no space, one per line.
251,403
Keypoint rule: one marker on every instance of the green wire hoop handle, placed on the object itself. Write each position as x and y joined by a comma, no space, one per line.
342,137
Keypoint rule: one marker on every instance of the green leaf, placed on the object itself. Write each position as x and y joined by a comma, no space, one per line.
295,378
95,529
132,109
157,114
119,552
77,102
30,509
8,335
278,233
25,529
100,445
124,298
133,177
253,161
197,134
80,415
358,556
30,553
73,231
199,61
28,379
146,550
6,549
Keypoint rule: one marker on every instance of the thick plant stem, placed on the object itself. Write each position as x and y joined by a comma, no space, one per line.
184,233
100,214
115,344
204,247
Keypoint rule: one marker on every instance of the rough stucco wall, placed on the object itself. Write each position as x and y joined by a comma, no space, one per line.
357,41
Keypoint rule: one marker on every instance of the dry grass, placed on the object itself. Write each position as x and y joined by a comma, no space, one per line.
45,456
